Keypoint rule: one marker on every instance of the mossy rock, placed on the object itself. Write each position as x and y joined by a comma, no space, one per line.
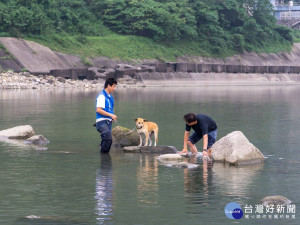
123,137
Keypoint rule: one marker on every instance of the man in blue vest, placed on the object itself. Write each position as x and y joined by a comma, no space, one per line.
105,114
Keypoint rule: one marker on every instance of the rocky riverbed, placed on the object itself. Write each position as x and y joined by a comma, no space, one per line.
25,80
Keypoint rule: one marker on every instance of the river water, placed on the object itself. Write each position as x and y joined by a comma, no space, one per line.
71,184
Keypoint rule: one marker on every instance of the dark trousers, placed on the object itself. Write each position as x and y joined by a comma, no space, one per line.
104,128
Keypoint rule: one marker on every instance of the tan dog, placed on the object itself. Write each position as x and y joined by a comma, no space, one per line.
147,128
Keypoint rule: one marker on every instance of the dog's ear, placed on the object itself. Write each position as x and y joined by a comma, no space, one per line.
145,120
135,119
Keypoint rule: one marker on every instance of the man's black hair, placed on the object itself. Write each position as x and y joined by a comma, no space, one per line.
110,81
190,117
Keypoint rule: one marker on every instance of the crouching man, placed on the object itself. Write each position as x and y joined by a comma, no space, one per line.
204,127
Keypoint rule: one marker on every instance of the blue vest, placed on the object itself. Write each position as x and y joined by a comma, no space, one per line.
109,105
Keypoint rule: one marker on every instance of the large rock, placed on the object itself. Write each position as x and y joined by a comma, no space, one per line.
236,149
151,149
275,200
123,136
37,140
20,132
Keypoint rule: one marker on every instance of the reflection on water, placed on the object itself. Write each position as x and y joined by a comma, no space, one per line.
198,181
131,189
235,181
104,190
147,180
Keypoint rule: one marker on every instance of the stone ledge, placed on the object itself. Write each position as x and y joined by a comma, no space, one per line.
162,149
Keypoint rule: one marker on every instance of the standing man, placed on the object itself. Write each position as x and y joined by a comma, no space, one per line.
204,127
105,114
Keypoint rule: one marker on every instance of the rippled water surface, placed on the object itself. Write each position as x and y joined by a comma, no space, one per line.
71,184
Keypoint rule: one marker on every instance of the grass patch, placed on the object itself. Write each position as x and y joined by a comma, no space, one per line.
276,47
5,57
9,56
132,48
296,35
125,47
86,61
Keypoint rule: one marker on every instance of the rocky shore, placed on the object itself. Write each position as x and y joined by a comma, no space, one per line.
25,80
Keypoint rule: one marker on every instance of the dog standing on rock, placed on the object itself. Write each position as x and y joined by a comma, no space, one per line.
148,129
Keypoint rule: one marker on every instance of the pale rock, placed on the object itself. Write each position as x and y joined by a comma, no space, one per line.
275,200
181,165
170,157
236,149
20,132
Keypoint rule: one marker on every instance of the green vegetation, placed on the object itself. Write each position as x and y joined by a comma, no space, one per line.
9,56
139,29
5,57
296,36
86,61
134,47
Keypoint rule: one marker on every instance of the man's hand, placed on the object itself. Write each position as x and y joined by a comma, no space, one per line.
184,151
204,153
114,117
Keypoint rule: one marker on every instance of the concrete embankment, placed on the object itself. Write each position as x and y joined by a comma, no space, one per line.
248,68
35,58
180,79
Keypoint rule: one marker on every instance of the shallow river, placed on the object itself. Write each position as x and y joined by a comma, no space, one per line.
71,184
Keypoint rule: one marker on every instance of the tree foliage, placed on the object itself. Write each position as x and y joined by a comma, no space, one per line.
42,16
219,24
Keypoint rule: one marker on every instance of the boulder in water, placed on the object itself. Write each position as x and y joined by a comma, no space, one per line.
123,136
20,132
275,200
236,149
37,140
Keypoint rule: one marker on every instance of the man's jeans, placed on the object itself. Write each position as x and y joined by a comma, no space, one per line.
104,128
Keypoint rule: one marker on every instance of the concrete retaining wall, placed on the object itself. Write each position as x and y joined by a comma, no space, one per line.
179,79
75,74
222,68
168,70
